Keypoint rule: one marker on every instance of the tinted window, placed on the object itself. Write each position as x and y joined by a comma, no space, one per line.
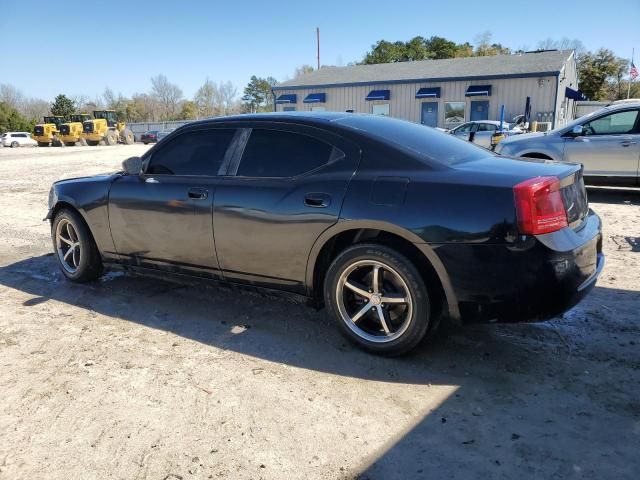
416,139
466,128
192,153
615,123
487,127
274,153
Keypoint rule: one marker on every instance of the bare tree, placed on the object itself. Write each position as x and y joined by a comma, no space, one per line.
302,70
11,95
168,96
563,44
227,95
33,109
207,99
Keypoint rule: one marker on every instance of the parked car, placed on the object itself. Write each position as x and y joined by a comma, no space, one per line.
17,139
389,224
149,137
482,130
606,142
164,133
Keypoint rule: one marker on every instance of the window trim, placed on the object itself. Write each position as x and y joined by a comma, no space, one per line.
222,170
235,164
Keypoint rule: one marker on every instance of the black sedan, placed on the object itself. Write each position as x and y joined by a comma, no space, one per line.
391,225
149,137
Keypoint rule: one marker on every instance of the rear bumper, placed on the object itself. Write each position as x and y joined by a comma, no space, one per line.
538,279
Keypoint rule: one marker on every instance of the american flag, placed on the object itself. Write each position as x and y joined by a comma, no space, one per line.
633,72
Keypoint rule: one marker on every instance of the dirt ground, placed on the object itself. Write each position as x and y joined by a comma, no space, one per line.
133,378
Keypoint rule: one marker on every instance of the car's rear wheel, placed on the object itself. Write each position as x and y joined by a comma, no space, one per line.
75,249
378,299
15,144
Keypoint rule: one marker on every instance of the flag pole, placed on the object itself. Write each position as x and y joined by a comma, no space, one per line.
630,79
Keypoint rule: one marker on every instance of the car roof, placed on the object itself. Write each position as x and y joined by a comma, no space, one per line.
306,117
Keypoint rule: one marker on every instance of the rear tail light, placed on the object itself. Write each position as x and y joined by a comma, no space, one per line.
539,206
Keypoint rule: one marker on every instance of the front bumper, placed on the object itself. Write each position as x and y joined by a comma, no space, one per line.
537,279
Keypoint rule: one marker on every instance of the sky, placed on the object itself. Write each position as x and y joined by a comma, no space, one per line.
83,49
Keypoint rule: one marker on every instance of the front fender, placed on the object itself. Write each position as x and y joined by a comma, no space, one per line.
89,196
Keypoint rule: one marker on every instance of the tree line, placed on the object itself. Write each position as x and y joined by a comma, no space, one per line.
602,76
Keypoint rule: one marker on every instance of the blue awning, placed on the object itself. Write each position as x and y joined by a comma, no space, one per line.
478,91
574,94
289,98
315,98
379,95
433,92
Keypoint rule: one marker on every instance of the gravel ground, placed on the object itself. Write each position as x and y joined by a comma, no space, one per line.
133,378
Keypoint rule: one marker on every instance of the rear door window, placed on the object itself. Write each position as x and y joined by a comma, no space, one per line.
277,153
200,152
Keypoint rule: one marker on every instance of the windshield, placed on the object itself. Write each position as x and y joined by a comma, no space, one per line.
425,141
79,118
55,120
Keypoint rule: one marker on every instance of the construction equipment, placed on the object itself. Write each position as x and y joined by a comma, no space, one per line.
105,127
71,131
46,133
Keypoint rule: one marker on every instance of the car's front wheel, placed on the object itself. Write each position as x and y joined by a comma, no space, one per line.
378,299
74,247
15,144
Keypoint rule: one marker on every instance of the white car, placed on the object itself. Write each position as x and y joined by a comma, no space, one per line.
17,139
482,131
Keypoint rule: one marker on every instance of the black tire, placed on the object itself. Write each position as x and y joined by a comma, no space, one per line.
90,263
92,143
398,265
70,144
127,137
111,138
43,144
15,144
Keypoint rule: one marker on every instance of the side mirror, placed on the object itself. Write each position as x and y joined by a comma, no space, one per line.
132,166
577,131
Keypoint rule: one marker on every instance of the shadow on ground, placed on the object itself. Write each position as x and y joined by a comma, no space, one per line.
521,393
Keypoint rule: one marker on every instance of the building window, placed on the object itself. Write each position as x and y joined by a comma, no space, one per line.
381,109
318,109
454,112
288,109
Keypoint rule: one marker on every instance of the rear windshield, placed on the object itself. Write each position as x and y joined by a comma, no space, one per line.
426,142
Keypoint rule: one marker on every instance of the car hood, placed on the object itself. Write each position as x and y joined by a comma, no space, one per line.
102,177
523,137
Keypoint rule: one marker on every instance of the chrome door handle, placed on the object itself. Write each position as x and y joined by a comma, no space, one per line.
198,193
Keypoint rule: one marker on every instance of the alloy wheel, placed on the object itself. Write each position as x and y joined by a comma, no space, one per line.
68,246
374,301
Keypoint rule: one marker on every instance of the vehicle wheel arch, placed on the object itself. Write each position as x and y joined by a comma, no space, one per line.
344,234
540,155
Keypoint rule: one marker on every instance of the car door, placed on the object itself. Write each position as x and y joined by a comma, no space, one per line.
286,186
609,145
484,131
162,219
463,131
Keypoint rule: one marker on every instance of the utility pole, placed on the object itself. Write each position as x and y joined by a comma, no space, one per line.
318,45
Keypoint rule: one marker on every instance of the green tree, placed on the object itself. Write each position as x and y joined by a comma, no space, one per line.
439,48
189,110
62,105
258,95
596,70
11,120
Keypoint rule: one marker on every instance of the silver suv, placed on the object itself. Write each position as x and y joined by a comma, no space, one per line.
606,142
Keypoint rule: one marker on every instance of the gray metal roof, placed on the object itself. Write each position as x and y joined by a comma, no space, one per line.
526,64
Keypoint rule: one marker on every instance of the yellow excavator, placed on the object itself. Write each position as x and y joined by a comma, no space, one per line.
71,131
46,133
106,127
